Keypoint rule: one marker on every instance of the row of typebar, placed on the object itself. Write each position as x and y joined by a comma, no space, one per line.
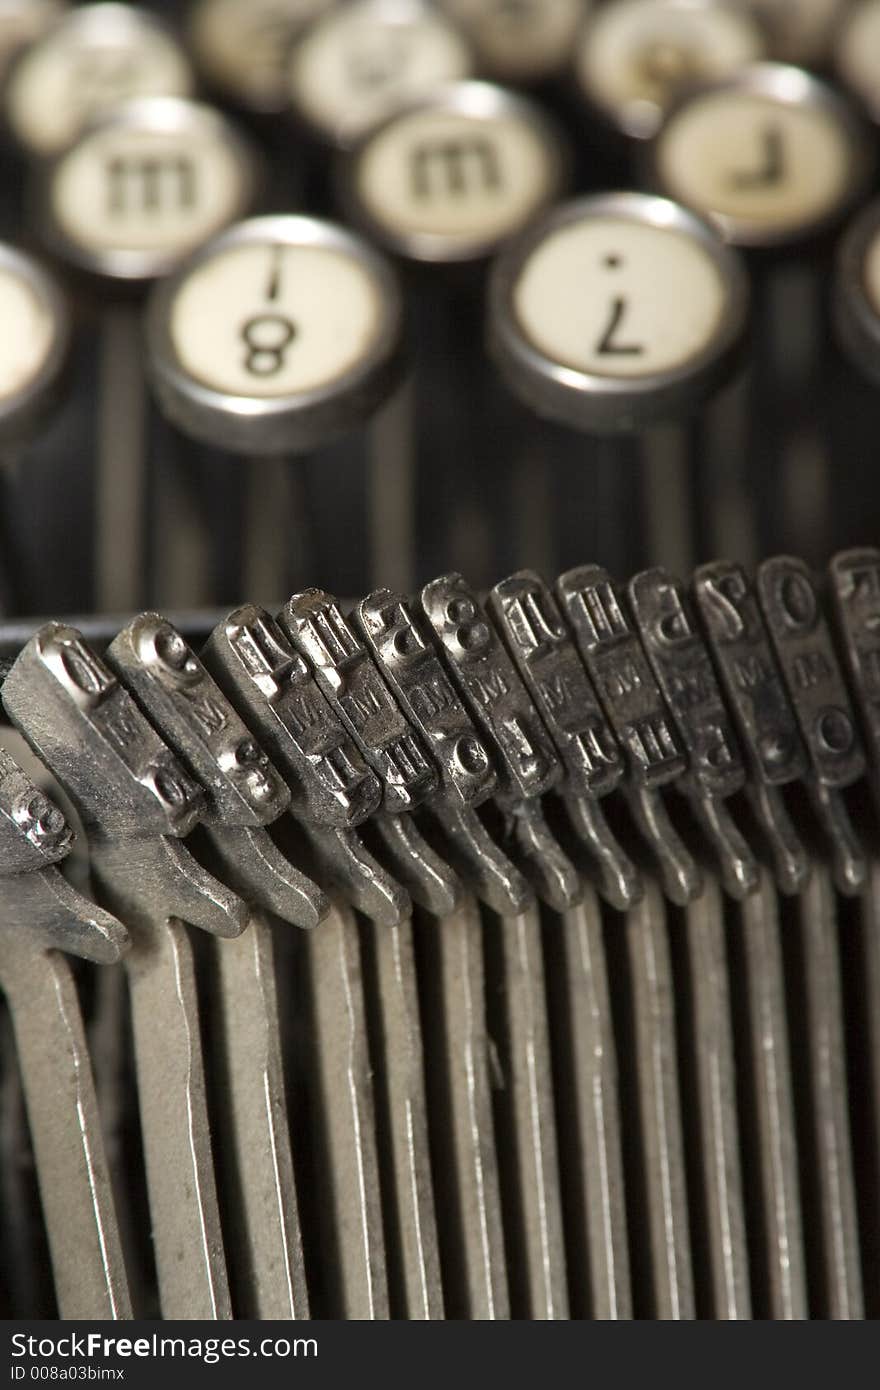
550,1046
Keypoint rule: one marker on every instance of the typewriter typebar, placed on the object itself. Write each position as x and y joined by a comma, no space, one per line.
439,660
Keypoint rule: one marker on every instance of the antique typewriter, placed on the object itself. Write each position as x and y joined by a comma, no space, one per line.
440,659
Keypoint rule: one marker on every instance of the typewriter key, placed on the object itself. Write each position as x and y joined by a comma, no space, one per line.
357,63
524,42
280,335
142,185
614,313
241,46
616,310
452,176
633,56
857,54
138,188
772,155
33,344
94,57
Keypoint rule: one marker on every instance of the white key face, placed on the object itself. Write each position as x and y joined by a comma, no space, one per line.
79,70
636,55
457,179
128,189
612,297
519,41
858,53
242,44
763,164
275,320
368,57
799,31
28,336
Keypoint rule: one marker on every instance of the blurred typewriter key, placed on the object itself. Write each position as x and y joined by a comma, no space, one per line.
33,346
413,669
771,155
137,189
241,47
802,642
543,648
142,185
757,699
275,338
94,57
34,352
523,42
586,326
526,760
681,662
638,714
444,182
453,175
42,915
633,57
775,158
354,65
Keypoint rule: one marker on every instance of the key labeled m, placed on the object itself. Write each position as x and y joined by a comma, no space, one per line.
150,184
454,166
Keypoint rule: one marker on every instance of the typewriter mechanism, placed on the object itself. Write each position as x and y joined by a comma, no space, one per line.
440,659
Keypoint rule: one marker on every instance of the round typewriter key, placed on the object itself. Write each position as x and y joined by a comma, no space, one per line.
275,339
279,334
33,343
521,42
142,185
95,56
356,64
450,178
799,31
615,310
241,46
771,156
857,55
634,56
857,291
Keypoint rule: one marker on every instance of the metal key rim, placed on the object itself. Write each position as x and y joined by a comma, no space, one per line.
285,424
789,86
588,401
162,115
482,101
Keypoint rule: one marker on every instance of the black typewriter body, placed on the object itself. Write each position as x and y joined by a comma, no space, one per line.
440,666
